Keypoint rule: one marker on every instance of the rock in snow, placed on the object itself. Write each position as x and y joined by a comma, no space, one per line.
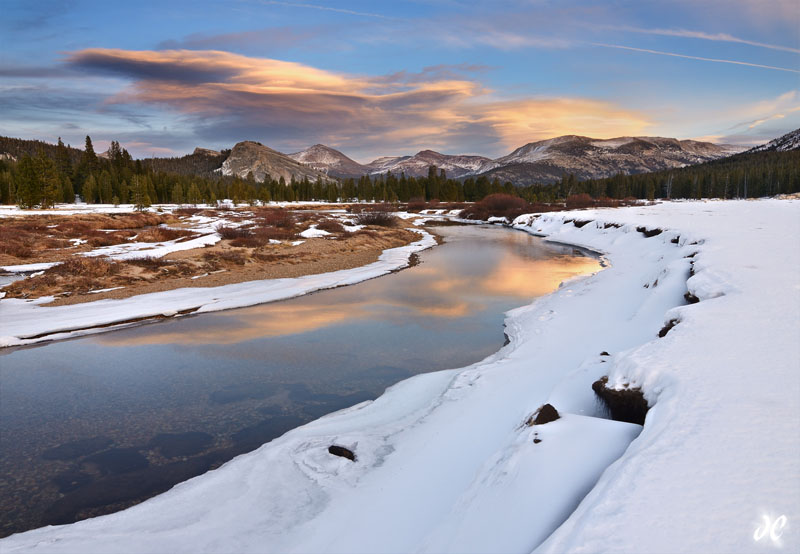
445,464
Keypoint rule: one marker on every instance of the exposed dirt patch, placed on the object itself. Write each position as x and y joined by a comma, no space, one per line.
627,404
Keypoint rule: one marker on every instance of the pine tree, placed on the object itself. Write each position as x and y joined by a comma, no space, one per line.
139,196
27,192
89,190
48,182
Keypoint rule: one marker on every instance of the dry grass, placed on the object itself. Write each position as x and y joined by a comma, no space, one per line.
162,234
85,267
187,211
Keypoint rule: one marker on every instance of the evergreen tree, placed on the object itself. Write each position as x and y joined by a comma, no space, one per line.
89,190
48,182
27,189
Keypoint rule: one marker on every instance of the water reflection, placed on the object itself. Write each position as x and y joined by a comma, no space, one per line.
92,425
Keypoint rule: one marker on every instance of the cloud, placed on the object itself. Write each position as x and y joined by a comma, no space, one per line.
759,122
659,52
226,96
243,40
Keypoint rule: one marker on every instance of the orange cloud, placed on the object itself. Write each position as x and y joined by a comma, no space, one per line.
245,97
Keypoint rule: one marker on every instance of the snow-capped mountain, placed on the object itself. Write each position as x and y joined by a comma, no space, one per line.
252,156
544,161
418,164
789,141
548,160
329,161
384,164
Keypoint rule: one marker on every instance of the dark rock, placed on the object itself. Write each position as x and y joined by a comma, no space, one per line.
604,353
649,232
624,405
342,451
545,414
691,298
537,441
577,223
667,328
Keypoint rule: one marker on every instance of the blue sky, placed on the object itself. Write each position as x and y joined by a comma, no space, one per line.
392,78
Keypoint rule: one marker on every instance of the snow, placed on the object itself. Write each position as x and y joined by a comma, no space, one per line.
313,233
98,291
612,143
27,268
26,321
445,463
138,250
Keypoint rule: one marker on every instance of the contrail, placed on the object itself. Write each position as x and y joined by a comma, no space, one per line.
718,37
620,47
324,8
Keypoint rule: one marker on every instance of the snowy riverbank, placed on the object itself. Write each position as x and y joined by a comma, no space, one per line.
444,462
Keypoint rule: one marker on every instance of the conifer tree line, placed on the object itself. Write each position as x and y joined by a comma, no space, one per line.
57,173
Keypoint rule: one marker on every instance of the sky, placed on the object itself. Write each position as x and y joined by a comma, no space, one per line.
374,78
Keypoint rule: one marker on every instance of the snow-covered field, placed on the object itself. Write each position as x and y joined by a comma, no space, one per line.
445,464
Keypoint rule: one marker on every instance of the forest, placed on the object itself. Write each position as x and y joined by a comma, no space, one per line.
40,174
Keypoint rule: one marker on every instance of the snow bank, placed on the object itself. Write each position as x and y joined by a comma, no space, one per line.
446,464
27,321
139,250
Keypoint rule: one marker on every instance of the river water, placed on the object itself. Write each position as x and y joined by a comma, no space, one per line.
93,425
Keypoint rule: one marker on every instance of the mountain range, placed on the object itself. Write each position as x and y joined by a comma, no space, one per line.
544,161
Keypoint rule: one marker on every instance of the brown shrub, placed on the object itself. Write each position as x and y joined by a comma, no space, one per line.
497,205
331,226
230,233
272,217
577,201
416,205
380,214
